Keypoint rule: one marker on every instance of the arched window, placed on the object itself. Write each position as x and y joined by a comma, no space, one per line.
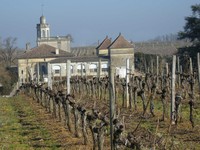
56,69
93,67
104,67
43,33
79,68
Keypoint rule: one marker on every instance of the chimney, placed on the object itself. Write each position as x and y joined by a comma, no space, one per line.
57,51
27,46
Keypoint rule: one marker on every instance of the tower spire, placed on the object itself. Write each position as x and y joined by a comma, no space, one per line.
42,7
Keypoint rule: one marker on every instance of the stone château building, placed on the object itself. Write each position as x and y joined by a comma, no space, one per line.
50,55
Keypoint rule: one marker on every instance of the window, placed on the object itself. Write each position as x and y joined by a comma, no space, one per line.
93,67
56,69
43,33
22,71
104,67
79,68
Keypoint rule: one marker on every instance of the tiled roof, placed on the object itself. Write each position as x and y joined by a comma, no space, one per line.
120,42
44,51
104,45
79,59
84,51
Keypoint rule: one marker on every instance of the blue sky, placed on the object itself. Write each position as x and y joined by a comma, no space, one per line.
91,20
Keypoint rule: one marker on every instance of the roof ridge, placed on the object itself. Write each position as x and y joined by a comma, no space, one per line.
104,44
120,42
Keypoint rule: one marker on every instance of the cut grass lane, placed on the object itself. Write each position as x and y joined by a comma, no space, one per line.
19,128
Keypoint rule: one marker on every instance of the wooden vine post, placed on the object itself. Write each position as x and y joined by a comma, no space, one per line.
167,69
68,115
157,68
152,66
198,65
112,102
68,76
178,69
127,81
81,70
38,72
173,90
49,76
191,69
99,76
99,69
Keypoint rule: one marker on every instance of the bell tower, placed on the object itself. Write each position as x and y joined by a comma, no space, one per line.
43,29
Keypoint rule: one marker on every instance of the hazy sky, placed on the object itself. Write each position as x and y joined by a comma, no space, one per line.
91,20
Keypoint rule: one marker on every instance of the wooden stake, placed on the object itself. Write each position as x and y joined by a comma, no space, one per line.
152,66
99,69
49,76
173,90
198,63
178,69
81,70
191,68
157,69
127,81
112,102
38,72
167,69
68,76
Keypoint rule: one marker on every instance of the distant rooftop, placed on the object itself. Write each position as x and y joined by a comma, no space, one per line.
160,48
120,42
78,59
104,44
44,51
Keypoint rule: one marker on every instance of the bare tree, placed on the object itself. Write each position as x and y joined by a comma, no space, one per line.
8,51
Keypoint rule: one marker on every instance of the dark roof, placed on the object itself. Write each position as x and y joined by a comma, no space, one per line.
120,42
84,51
44,51
104,45
78,59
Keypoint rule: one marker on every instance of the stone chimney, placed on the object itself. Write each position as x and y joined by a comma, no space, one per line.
27,46
57,51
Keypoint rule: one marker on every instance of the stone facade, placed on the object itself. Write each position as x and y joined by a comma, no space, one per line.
58,42
118,52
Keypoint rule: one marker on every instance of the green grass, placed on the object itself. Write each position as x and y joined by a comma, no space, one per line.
10,130
19,127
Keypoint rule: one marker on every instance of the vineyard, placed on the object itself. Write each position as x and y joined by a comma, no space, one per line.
158,109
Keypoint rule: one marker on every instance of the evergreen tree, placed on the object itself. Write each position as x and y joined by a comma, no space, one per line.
192,33
192,26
